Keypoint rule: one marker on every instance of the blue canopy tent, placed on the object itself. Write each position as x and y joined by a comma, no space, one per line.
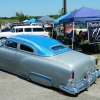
31,20
56,21
24,21
82,14
46,19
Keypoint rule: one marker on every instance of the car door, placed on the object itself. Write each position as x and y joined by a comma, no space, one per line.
24,52
19,31
7,55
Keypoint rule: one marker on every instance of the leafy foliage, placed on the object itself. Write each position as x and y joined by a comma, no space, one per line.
73,10
21,16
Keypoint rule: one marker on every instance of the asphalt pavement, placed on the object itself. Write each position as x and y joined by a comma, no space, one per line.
13,87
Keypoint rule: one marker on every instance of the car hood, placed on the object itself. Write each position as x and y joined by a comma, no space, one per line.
80,63
5,32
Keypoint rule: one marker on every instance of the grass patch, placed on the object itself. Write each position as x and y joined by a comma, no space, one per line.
8,20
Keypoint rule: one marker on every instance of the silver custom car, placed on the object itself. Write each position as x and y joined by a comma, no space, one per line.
48,62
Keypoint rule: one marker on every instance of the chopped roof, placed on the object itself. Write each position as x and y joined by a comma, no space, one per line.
41,44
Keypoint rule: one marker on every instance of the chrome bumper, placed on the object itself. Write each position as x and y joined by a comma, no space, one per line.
85,83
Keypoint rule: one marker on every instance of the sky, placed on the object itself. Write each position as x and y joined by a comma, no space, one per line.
8,8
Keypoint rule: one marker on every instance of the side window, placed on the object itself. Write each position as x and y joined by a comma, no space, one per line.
28,30
19,30
59,47
25,48
11,44
38,30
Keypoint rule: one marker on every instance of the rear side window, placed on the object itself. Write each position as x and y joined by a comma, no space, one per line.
28,30
19,30
58,47
26,48
38,29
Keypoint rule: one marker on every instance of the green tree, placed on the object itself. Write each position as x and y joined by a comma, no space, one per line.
73,11
0,19
20,16
61,12
54,16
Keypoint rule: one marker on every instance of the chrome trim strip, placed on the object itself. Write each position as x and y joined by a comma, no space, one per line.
40,76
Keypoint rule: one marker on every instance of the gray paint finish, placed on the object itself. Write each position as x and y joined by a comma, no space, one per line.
53,71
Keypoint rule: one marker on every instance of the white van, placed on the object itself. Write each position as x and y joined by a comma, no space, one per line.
17,30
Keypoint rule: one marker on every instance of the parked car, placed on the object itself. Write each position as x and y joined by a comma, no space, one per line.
79,29
36,24
5,30
48,62
17,30
69,29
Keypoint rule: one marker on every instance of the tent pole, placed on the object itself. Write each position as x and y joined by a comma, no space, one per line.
73,37
52,29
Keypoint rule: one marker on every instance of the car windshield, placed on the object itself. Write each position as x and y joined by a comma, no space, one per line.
12,30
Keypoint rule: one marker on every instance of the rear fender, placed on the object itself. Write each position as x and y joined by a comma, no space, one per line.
41,79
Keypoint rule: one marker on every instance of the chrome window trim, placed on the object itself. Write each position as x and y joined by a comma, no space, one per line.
34,51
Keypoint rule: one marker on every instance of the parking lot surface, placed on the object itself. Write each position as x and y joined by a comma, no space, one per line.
13,87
